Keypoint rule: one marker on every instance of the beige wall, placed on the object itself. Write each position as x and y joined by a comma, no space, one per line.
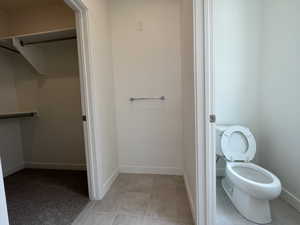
146,55
36,19
3,23
10,133
55,138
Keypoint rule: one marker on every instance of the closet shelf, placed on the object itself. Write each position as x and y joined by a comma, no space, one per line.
18,115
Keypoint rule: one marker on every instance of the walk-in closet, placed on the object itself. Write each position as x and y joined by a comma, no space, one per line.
41,126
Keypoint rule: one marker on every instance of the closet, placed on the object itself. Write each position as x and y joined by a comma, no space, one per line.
41,129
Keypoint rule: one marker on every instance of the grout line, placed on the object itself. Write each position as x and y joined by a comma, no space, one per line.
114,218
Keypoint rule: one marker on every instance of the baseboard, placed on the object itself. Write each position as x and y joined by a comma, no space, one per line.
220,172
151,170
108,183
190,196
290,198
13,170
55,166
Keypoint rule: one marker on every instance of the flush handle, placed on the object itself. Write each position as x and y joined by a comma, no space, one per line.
212,118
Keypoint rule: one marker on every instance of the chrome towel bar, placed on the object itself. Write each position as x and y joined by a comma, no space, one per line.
138,99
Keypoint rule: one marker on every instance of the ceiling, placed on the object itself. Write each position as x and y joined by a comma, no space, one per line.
7,5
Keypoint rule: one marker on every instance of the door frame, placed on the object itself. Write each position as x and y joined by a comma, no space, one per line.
205,107
94,174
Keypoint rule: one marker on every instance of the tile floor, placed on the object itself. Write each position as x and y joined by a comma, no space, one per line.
282,213
140,200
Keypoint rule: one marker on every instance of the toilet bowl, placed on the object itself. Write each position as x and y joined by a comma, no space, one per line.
249,186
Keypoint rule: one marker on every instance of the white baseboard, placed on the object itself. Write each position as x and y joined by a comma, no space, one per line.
151,170
190,196
108,183
290,198
220,172
13,170
55,166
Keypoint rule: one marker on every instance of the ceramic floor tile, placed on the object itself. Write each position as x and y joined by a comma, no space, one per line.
152,221
184,212
127,220
286,220
83,216
162,209
134,183
162,181
140,183
165,194
100,219
132,196
134,203
109,203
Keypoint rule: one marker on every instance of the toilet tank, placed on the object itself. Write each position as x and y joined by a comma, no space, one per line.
219,131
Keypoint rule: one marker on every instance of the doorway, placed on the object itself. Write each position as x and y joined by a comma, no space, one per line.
245,58
41,87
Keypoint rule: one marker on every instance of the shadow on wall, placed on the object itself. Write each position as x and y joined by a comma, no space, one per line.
56,136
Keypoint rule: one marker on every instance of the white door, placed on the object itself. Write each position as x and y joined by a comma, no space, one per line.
3,206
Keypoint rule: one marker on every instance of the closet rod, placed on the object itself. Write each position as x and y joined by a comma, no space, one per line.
17,115
10,49
46,41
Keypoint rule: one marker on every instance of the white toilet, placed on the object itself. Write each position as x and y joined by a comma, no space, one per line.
249,186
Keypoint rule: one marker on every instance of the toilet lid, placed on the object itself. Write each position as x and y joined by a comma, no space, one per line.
238,144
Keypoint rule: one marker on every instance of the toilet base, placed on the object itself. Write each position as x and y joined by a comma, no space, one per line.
255,210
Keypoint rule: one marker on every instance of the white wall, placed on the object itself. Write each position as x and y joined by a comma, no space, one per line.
10,133
238,35
188,98
103,88
55,138
280,107
146,54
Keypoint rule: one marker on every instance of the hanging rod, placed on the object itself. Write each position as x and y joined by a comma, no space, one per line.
46,41
10,49
17,115
137,99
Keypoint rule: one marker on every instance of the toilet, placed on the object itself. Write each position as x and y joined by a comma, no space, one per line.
249,186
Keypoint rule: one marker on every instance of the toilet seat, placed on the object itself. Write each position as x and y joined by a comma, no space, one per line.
238,144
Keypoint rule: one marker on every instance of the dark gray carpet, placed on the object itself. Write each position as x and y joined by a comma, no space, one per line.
45,197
